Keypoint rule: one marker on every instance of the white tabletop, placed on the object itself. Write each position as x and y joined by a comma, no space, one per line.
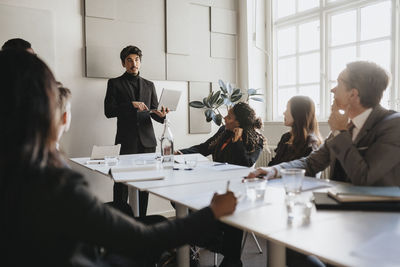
334,236
205,171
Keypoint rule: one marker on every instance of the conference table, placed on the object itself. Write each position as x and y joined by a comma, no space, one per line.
343,238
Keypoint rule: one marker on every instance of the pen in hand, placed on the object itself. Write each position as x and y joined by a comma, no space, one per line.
227,186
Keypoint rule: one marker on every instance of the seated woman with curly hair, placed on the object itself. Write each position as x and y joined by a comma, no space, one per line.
237,142
240,143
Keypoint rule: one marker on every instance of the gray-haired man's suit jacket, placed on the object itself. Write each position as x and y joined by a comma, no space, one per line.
373,159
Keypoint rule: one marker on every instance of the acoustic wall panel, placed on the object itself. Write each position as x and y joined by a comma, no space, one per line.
139,23
140,11
224,69
103,62
178,20
100,8
223,21
183,68
200,68
33,25
197,121
223,45
118,35
194,67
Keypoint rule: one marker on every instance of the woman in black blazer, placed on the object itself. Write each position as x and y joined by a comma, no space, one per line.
304,136
49,216
237,142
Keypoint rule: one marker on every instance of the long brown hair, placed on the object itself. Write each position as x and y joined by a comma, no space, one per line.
28,96
305,125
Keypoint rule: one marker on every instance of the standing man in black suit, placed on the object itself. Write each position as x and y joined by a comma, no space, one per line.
133,100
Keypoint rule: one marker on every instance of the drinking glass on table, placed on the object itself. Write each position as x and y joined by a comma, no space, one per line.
292,180
255,188
190,161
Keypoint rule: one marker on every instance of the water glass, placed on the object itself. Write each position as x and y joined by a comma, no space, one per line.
255,188
190,161
292,180
298,207
111,161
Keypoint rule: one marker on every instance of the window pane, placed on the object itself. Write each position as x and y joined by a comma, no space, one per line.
307,4
376,21
284,8
378,52
286,44
287,71
309,69
312,91
284,95
385,98
309,36
333,85
344,28
339,58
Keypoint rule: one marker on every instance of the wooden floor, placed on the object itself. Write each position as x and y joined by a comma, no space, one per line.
250,257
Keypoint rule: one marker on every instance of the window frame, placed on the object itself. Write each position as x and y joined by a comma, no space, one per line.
323,13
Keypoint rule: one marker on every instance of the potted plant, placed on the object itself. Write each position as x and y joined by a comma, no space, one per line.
227,96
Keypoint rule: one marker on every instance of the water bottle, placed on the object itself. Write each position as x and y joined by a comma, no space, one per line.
167,147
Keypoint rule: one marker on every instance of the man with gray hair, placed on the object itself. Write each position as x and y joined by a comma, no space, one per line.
364,144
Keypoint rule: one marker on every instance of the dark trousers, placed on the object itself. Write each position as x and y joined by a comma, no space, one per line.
120,190
231,242
117,260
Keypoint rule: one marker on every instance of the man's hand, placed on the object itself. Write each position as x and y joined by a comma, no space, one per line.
139,105
224,204
161,113
238,134
338,121
267,173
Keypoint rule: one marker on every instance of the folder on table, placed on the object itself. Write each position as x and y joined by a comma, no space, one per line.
137,173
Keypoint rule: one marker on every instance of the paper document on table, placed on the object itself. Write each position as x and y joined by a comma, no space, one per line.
201,200
308,183
181,158
381,248
226,167
137,173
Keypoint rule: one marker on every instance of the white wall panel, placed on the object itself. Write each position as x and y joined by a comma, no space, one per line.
223,21
118,34
100,8
223,45
178,23
141,11
14,23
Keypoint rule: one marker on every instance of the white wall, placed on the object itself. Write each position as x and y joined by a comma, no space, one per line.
89,125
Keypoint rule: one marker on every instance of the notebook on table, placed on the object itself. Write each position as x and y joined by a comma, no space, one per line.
146,172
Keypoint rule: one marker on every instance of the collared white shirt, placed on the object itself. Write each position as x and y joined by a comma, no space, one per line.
359,122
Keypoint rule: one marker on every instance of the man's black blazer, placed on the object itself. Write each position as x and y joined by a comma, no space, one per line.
133,126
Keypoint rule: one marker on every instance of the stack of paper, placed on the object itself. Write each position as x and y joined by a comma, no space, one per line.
352,193
137,173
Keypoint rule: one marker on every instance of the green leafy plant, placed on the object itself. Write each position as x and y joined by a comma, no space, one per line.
227,96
